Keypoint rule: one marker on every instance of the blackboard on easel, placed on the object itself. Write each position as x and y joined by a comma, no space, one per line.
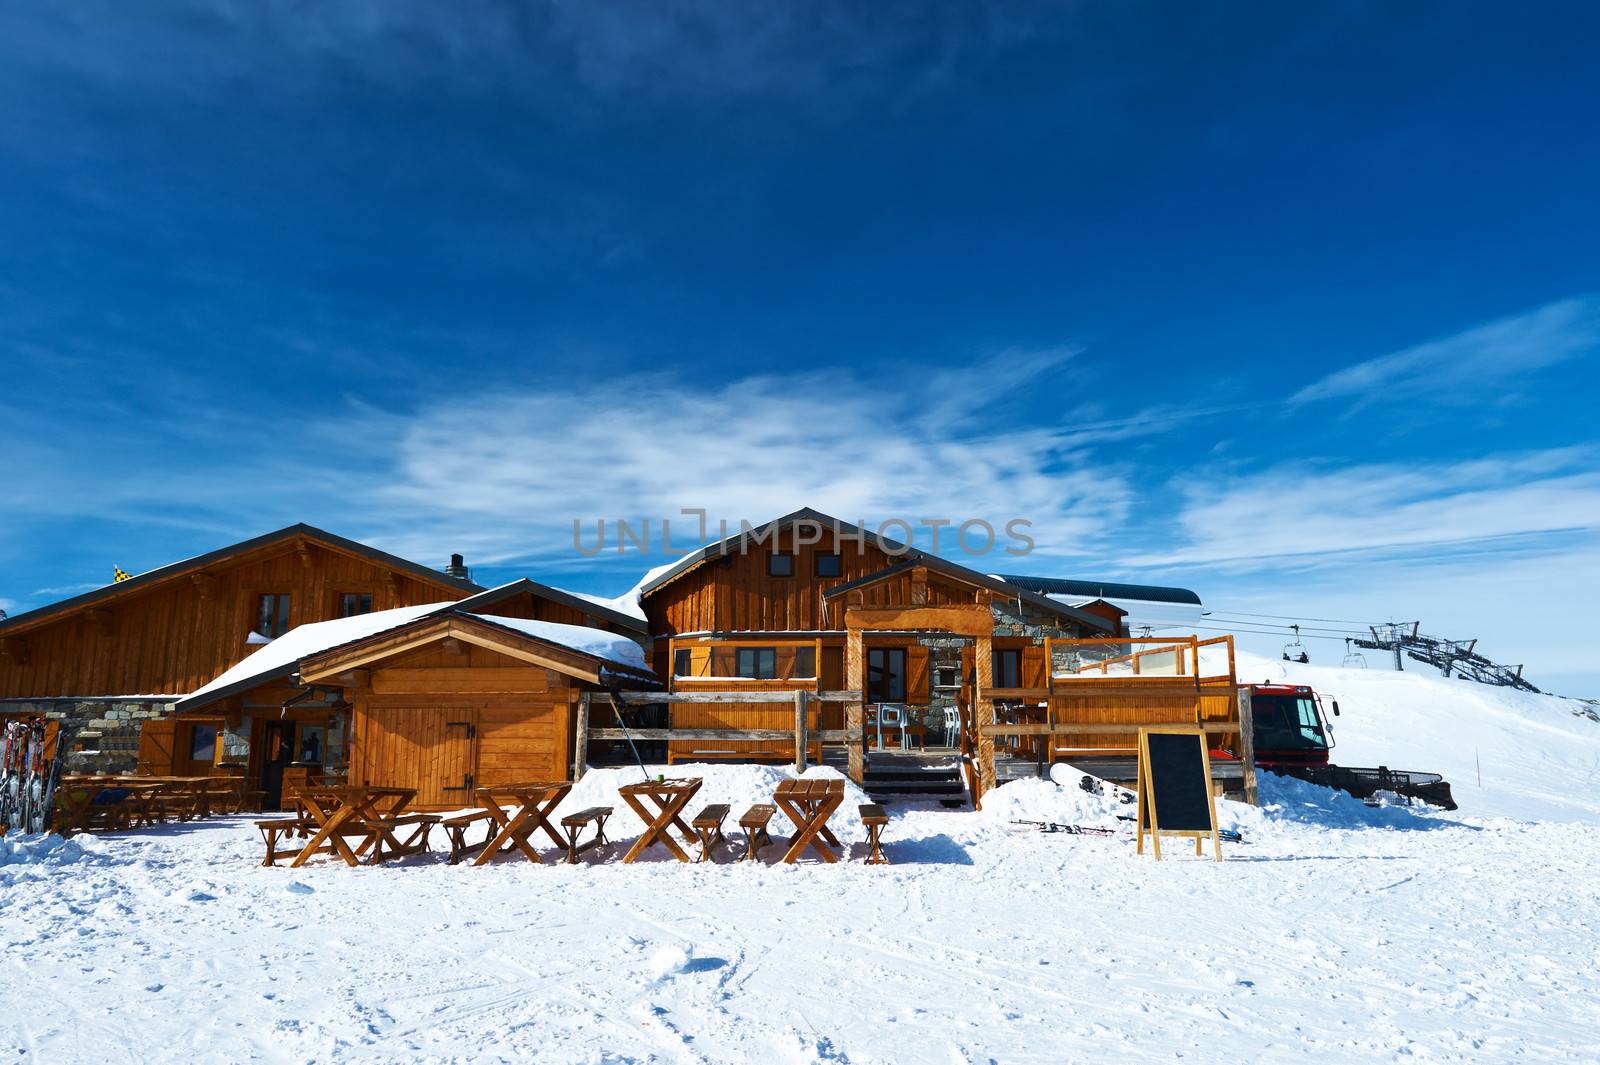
1174,788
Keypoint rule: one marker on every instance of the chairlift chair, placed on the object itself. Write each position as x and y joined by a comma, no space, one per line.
1295,651
1353,659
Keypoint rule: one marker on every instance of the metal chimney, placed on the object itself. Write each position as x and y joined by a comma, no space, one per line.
458,568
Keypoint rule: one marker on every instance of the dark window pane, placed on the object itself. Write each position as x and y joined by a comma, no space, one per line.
203,743
886,674
805,662
272,615
353,603
758,663
681,664
829,566
1007,669
780,565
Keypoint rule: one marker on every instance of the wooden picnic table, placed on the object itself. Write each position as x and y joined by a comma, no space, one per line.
533,802
78,801
371,815
669,796
809,804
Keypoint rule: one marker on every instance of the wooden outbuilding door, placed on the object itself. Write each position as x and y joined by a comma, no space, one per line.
424,747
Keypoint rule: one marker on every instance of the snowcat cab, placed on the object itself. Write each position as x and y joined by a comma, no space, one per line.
1292,738
1290,728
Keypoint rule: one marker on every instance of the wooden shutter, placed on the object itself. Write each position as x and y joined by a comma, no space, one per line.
157,744
917,675
1033,667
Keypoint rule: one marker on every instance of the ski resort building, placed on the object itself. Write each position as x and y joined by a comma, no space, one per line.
301,654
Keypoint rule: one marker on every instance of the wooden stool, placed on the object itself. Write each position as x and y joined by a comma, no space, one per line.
708,826
754,822
874,818
573,825
273,830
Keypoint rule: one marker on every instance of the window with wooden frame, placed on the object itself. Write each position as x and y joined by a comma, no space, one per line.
350,604
829,565
780,565
757,663
682,662
272,614
1007,668
886,674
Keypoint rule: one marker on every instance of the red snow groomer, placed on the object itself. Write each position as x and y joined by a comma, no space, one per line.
1292,738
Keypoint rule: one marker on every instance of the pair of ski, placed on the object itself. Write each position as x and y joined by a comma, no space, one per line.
1051,827
27,778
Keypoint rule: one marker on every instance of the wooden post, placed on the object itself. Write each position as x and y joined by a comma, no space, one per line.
580,744
1247,743
855,717
983,709
800,731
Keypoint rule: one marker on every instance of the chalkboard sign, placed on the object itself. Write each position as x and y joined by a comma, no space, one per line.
1175,787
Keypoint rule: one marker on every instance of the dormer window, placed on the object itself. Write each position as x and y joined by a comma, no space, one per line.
272,614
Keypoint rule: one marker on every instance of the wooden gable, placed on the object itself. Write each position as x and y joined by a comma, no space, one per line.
173,634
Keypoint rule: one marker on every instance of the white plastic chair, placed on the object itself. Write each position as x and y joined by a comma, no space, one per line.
894,716
952,727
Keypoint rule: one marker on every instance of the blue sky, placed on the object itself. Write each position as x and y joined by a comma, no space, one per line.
1297,307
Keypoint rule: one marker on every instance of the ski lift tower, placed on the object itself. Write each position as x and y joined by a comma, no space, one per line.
1390,637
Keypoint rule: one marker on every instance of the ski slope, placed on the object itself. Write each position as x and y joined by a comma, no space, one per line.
1539,755
1336,933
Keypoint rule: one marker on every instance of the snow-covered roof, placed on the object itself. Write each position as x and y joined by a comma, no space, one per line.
594,642
627,615
282,656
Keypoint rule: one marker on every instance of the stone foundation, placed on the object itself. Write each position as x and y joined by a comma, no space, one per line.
103,734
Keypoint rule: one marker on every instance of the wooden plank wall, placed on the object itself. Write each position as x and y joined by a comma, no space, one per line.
522,715
734,594
176,636
741,715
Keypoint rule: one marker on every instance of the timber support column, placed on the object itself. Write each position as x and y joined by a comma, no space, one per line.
580,740
800,731
855,716
1247,743
983,709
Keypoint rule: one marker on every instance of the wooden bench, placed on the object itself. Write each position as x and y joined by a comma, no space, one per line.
875,819
277,828
754,822
387,844
707,824
574,824
456,828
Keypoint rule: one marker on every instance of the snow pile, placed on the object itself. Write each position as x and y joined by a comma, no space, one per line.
1539,755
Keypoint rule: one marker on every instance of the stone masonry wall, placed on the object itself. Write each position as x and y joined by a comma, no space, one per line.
103,734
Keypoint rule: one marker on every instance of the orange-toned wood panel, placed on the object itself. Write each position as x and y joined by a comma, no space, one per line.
1139,702
428,748
736,594
175,636
740,716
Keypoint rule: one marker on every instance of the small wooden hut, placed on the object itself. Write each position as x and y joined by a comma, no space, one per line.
455,701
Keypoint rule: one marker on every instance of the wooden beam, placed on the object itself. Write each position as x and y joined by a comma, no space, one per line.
303,549
800,731
775,696
855,711
580,744
1247,740
1097,729
729,734
961,619
983,708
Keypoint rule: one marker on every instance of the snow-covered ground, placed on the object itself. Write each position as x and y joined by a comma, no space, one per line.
1336,933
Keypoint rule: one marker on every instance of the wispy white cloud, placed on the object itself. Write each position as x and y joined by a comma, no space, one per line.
1472,364
506,474
1287,513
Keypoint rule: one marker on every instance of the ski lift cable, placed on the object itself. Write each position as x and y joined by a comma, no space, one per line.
1294,617
1228,620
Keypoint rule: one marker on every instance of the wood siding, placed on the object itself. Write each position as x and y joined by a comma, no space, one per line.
734,594
410,723
778,715
179,634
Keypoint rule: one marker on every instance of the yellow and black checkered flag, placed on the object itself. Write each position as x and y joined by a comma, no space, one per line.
120,575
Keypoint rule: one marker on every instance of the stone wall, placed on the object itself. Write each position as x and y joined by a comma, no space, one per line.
103,734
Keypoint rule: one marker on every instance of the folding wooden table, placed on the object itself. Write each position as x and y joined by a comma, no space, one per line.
370,814
669,796
534,803
809,804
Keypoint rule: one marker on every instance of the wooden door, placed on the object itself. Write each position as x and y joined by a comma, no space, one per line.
424,747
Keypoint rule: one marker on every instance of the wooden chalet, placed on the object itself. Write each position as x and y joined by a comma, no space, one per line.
303,654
